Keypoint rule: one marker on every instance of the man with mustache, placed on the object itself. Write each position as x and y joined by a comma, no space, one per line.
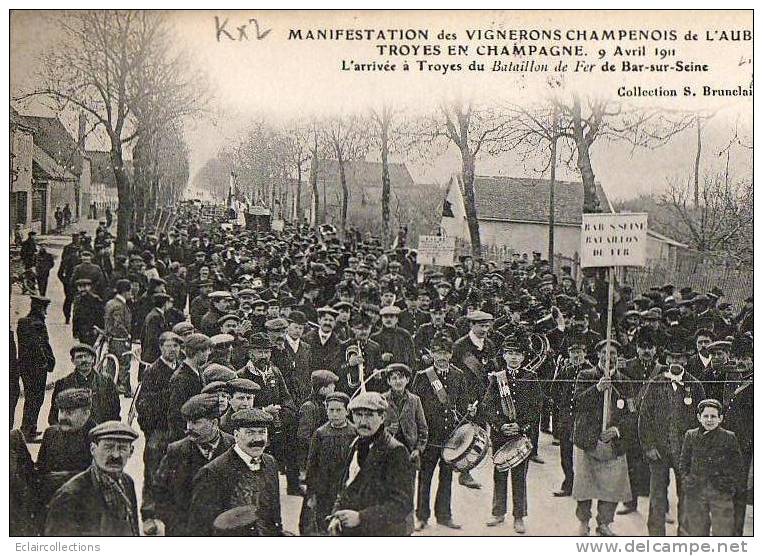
105,399
99,501
242,476
377,488
242,394
65,446
173,483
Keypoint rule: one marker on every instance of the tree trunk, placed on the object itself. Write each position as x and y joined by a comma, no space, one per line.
696,163
385,180
467,168
590,199
345,193
125,207
298,195
314,186
552,200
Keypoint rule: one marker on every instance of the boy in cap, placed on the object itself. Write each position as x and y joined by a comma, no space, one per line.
512,406
329,448
376,494
242,476
105,399
99,501
312,413
711,472
173,483
404,418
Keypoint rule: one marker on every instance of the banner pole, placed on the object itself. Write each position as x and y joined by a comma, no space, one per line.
610,302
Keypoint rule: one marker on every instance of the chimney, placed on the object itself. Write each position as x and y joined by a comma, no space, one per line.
81,131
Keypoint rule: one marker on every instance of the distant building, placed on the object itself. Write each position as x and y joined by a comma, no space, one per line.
60,172
363,181
513,214
103,183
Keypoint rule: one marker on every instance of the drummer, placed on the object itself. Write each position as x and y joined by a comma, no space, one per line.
442,391
511,405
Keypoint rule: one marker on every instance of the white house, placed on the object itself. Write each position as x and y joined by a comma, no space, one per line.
513,213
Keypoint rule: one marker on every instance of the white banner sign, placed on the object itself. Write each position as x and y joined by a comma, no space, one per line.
613,240
436,250
277,225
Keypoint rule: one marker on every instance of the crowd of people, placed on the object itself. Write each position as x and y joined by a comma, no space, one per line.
356,374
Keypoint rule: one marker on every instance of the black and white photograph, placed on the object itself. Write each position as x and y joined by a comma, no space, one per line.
381,273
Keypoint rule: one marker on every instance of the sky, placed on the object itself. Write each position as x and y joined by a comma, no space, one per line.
284,79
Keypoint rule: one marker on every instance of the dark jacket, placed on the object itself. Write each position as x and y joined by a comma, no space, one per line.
397,341
153,326
711,458
665,416
382,491
273,391
297,371
35,355
329,356
154,397
78,509
441,421
527,397
215,485
106,405
589,409
173,483
184,383
475,364
406,421
88,312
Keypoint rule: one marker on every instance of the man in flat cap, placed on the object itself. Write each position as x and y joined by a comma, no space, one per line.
186,381
395,342
668,410
242,476
65,445
233,325
151,406
154,325
87,313
173,484
473,353
99,501
105,399
117,320
299,357
220,303
274,397
242,395
376,493
325,346
87,269
360,350
35,361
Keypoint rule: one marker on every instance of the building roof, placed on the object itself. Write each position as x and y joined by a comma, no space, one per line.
53,138
363,173
526,199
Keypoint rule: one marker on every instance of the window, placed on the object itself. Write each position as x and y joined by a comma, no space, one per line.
38,205
19,207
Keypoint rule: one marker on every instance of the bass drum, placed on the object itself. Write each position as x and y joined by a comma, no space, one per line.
466,447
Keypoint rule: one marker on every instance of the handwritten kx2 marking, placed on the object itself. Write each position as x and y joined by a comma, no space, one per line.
222,31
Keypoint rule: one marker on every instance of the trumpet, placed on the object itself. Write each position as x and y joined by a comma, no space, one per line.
354,350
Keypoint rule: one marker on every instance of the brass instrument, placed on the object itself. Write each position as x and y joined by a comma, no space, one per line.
540,347
354,349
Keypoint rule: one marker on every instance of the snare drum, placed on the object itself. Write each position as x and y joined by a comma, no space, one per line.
466,447
514,452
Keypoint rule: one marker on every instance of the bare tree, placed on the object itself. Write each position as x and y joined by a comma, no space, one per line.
721,223
346,139
112,65
474,129
298,152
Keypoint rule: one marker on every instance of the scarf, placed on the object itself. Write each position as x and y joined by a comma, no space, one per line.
114,492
